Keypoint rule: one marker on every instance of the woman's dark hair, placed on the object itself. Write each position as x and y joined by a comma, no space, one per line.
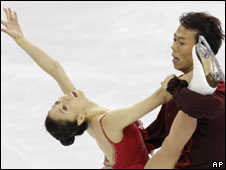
65,131
206,25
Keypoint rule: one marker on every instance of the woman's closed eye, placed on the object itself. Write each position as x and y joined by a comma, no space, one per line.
63,107
57,102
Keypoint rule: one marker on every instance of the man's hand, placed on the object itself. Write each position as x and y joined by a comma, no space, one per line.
12,27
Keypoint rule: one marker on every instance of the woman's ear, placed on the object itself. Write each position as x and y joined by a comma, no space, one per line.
81,119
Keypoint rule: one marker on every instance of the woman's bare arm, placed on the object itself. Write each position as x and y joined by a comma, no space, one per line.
126,116
48,64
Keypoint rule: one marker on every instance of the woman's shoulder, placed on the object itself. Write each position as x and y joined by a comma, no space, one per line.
111,131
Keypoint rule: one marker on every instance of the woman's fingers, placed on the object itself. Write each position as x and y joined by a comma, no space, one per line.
12,27
7,14
15,14
167,79
11,14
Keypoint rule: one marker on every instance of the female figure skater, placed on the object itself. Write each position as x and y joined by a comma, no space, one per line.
115,132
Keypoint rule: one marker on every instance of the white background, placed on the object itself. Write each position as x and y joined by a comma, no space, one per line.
116,52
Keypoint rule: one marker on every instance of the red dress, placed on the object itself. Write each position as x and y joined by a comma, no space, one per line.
131,152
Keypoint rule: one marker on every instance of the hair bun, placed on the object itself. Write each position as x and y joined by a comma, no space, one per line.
68,141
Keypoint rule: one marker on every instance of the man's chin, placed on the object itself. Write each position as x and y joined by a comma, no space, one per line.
177,67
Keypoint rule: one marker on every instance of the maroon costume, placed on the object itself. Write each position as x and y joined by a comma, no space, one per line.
207,144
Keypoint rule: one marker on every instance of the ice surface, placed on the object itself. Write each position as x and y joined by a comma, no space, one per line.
116,52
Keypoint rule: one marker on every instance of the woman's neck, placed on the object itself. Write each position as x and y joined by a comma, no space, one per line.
93,115
95,112
91,109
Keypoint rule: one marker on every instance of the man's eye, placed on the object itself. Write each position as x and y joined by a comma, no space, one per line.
64,107
57,102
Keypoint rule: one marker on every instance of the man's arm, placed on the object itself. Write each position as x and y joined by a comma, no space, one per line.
48,64
181,131
183,125
195,104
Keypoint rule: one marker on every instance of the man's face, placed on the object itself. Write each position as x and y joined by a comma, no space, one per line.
184,40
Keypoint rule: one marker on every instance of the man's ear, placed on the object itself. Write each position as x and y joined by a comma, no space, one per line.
81,119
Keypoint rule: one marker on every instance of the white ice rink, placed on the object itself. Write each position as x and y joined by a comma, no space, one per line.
116,52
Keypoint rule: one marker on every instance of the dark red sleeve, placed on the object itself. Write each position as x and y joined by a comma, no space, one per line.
157,130
195,104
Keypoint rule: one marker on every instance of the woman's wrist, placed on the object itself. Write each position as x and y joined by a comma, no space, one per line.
19,39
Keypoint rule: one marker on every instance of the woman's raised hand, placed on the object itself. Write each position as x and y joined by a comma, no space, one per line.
12,27
165,82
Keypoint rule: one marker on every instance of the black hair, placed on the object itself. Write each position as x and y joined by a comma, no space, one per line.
65,131
206,25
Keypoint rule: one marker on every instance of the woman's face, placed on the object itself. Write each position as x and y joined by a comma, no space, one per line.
66,107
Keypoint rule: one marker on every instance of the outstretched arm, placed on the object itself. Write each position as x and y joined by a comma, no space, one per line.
48,64
124,117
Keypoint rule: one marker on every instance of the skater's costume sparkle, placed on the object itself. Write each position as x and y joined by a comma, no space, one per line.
131,152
